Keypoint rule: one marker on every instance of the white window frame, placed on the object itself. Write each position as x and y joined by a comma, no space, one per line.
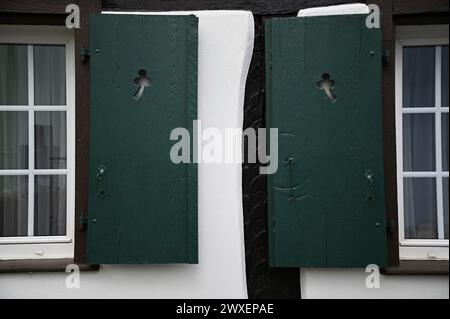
44,247
437,35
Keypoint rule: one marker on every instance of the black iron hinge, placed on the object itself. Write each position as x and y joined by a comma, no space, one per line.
386,56
83,220
392,226
85,53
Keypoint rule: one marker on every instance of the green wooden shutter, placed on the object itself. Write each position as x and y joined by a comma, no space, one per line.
143,208
326,201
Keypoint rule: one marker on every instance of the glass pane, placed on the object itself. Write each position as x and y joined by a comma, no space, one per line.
49,75
13,140
444,76
13,206
419,142
445,141
445,196
50,140
50,205
420,208
419,76
13,74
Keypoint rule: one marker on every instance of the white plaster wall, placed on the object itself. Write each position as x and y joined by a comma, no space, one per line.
350,283
225,48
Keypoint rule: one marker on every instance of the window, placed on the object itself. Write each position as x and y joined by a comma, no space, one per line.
422,141
37,132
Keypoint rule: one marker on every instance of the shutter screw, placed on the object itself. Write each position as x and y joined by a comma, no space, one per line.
289,160
369,176
378,225
372,53
94,221
97,50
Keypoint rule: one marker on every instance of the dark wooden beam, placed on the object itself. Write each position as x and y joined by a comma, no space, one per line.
389,129
262,280
32,18
421,19
82,105
418,267
419,6
35,6
41,265
256,6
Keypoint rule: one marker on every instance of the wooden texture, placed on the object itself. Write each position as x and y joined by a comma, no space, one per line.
419,6
82,107
421,19
262,281
41,265
148,213
32,18
418,267
389,130
256,6
323,212
38,6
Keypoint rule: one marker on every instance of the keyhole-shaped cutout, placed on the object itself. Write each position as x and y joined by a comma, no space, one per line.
327,84
142,81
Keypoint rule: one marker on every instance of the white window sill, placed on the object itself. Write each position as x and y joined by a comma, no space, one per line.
35,240
59,249
424,253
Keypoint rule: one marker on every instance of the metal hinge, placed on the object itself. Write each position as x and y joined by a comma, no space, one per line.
391,226
83,220
386,56
85,53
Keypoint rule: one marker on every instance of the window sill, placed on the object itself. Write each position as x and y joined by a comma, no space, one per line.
40,265
418,267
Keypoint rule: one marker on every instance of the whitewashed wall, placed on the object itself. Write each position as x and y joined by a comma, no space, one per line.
350,283
225,48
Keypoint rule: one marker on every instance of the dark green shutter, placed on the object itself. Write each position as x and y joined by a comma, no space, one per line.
326,201
143,208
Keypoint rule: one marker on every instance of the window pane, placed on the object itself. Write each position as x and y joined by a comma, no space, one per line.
445,197
13,74
50,206
13,206
445,76
418,76
50,140
420,208
49,75
445,141
13,140
419,142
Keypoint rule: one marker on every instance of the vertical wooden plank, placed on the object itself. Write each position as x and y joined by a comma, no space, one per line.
82,104
287,93
320,199
389,129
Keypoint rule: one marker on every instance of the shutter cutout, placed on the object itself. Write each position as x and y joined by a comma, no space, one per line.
142,207
326,201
